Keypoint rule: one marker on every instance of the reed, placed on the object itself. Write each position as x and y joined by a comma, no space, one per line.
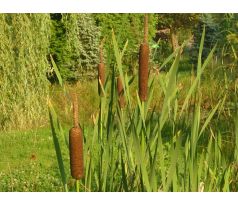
144,63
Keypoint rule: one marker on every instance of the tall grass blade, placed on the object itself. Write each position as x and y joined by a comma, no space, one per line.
53,123
56,71
199,65
171,90
173,162
211,114
196,81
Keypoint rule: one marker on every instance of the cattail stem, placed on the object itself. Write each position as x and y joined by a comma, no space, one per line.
75,110
146,28
144,63
101,52
101,70
77,186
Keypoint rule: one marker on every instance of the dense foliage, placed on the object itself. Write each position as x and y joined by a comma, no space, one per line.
23,64
74,45
220,30
127,27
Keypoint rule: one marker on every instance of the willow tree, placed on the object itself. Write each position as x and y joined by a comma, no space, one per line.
23,65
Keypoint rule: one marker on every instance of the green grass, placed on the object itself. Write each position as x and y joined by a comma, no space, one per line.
28,162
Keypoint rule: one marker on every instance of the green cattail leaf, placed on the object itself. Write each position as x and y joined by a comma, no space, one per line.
162,83
55,133
199,65
153,176
105,167
236,136
150,96
167,60
118,56
173,162
88,172
200,168
124,49
56,71
197,79
211,114
123,175
122,131
161,161
227,176
127,83
171,90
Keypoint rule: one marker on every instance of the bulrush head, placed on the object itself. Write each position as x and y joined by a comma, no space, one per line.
120,91
101,70
76,144
144,63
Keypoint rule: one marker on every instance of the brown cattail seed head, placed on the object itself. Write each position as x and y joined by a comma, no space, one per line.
101,77
144,63
143,71
76,152
101,71
120,91
76,144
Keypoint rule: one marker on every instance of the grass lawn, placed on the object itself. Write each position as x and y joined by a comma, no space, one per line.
28,161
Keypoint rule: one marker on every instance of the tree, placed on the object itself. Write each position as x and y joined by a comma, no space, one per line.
220,28
23,66
74,45
177,23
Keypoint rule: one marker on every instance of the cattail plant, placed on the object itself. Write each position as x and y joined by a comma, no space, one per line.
76,144
101,70
154,165
144,63
120,92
